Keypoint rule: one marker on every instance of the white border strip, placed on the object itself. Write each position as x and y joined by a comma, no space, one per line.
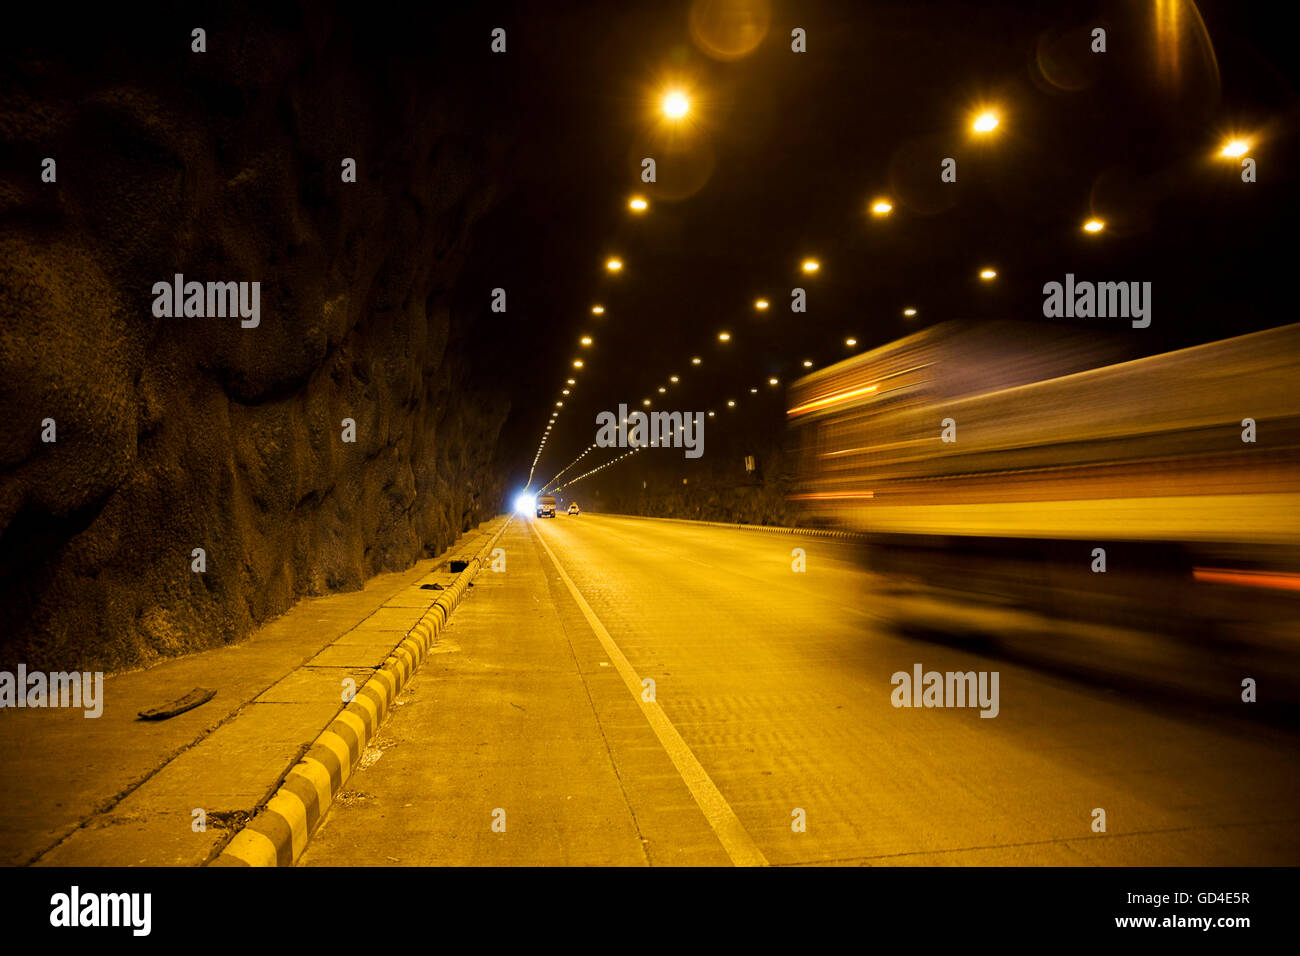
733,836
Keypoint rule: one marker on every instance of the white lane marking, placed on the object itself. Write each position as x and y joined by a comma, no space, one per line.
733,836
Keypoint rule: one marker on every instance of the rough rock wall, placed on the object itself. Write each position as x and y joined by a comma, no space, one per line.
181,433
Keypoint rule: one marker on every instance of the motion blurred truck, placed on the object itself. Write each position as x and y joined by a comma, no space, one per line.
546,506
1031,471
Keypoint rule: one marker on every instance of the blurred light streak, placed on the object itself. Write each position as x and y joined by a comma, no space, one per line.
832,496
1280,580
832,400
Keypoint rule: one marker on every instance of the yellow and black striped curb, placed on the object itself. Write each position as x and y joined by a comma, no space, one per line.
775,529
279,833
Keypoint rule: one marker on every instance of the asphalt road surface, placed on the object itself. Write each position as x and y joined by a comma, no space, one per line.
530,736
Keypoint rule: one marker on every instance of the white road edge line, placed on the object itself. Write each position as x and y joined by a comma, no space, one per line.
733,836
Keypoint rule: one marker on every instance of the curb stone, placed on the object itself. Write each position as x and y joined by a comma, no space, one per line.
278,834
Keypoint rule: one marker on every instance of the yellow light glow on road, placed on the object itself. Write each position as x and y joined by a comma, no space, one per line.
1094,225
985,122
909,312
675,104
637,204
760,304
597,310
882,207
811,265
724,336
1234,148
988,274
613,265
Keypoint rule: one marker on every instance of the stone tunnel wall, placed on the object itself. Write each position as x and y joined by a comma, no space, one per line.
173,434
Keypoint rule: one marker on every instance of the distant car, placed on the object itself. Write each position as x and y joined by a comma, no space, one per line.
573,508
546,506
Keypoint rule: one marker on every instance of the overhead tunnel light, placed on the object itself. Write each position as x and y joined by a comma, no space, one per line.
675,104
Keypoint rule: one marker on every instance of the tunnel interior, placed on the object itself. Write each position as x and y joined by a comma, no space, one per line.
382,175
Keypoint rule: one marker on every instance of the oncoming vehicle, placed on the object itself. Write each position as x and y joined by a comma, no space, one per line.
546,506
573,508
1153,496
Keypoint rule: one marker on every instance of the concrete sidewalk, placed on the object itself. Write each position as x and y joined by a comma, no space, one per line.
119,791
517,744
